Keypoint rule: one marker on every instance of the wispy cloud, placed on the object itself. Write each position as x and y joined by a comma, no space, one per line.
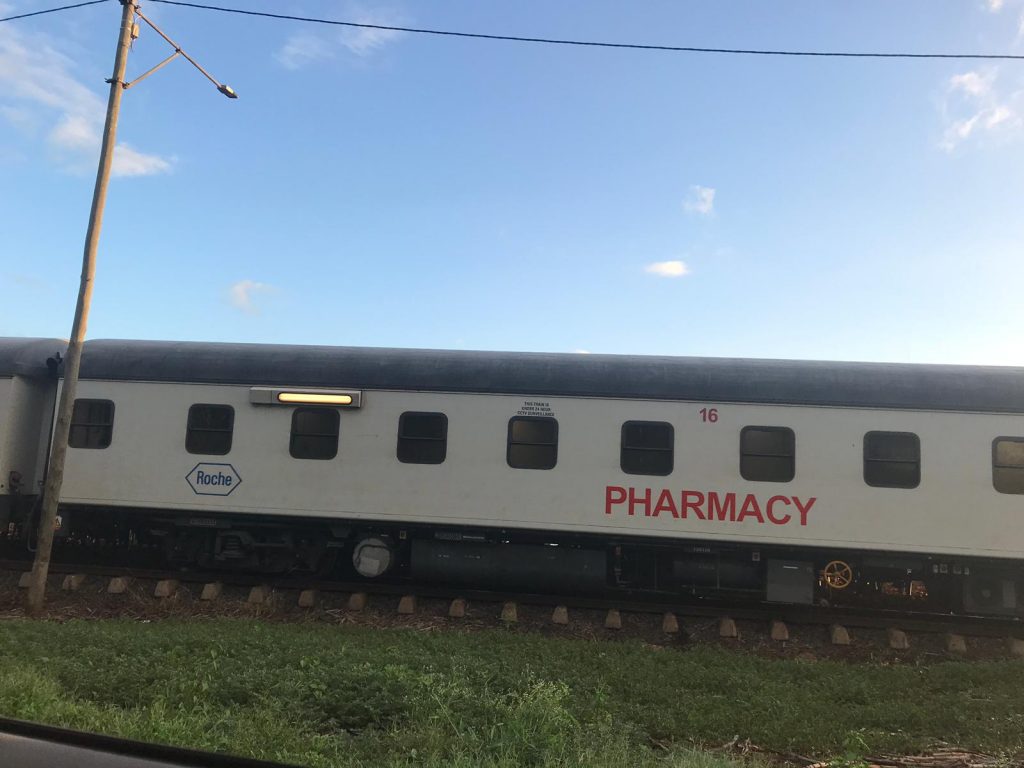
38,88
995,6
364,42
130,162
974,104
21,118
701,200
74,132
668,268
243,295
973,83
303,49
31,282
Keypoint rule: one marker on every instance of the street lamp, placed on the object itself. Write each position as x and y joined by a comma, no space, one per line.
227,90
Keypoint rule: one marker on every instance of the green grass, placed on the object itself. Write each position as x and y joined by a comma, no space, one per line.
327,695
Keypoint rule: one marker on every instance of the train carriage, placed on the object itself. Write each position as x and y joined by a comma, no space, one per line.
670,477
26,403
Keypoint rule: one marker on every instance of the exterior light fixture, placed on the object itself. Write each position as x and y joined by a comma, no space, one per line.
313,398
344,398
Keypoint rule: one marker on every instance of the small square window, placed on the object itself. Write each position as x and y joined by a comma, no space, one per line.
314,433
422,438
210,429
532,442
892,459
1008,464
768,454
647,448
92,424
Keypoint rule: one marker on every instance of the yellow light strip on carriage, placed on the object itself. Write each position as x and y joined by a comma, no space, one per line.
313,398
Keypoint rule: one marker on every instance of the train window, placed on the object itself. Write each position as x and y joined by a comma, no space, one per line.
532,442
767,454
314,433
1008,464
92,424
892,459
422,437
209,429
647,448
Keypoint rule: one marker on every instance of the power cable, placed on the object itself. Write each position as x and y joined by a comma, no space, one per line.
597,44
52,10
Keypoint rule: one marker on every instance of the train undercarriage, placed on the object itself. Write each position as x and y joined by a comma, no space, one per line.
525,561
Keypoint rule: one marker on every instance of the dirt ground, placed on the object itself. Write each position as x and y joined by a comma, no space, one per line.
807,641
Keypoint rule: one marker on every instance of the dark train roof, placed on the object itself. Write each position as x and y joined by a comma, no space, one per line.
877,385
27,357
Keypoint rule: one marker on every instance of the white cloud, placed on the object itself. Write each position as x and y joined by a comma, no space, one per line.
75,132
995,6
243,295
973,83
581,351
363,42
131,162
19,117
38,86
998,115
668,268
701,200
974,105
300,50
77,135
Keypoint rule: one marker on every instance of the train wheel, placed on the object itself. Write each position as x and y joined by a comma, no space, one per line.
837,574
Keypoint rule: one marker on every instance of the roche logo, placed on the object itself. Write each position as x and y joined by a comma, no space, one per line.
209,479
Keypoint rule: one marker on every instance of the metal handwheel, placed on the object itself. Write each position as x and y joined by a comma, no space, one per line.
838,574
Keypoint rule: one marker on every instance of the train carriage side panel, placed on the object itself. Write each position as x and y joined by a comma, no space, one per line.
954,510
26,404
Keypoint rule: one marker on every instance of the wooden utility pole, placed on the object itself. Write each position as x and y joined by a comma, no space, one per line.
55,471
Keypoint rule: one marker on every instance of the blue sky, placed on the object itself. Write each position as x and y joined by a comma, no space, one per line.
381,189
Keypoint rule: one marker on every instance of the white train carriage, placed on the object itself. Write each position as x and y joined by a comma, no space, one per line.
27,387
787,480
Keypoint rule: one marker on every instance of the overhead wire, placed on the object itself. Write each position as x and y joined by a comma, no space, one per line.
592,43
52,10
549,40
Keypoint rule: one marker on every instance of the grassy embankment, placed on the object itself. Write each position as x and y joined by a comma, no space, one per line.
323,695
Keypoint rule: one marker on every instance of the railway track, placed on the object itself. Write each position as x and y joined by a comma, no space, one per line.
504,606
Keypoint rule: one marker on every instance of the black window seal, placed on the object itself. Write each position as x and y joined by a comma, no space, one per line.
510,442
336,434
671,450
189,429
996,465
443,439
917,462
92,424
765,428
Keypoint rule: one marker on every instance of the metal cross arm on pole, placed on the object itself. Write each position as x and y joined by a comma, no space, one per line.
151,70
227,90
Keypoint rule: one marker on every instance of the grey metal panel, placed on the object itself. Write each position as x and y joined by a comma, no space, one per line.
871,385
790,581
27,357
